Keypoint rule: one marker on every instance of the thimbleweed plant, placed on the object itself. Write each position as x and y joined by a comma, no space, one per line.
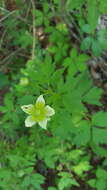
72,154
38,113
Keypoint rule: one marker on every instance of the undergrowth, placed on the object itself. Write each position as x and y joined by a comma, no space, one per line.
45,48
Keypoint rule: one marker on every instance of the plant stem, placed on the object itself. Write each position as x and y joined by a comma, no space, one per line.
34,31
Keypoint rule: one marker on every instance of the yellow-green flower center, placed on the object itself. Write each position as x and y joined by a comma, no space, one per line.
38,112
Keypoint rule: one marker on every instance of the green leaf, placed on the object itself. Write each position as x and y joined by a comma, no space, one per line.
27,99
96,47
81,167
3,109
99,150
52,188
102,38
15,118
66,181
8,101
93,96
93,14
101,184
86,43
99,136
23,38
100,119
64,125
38,17
103,6
101,173
92,183
86,28
77,4
72,102
37,179
67,61
73,54
3,80
57,75
81,62
82,136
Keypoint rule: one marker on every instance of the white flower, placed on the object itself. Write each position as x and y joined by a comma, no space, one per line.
38,113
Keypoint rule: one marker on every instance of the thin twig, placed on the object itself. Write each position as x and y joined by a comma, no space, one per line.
16,17
65,19
34,31
8,57
2,38
5,17
3,9
28,10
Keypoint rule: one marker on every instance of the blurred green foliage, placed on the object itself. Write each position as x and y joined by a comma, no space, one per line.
72,152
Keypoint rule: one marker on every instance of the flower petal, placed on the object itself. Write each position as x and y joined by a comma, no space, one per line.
43,123
29,122
27,108
50,111
40,101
